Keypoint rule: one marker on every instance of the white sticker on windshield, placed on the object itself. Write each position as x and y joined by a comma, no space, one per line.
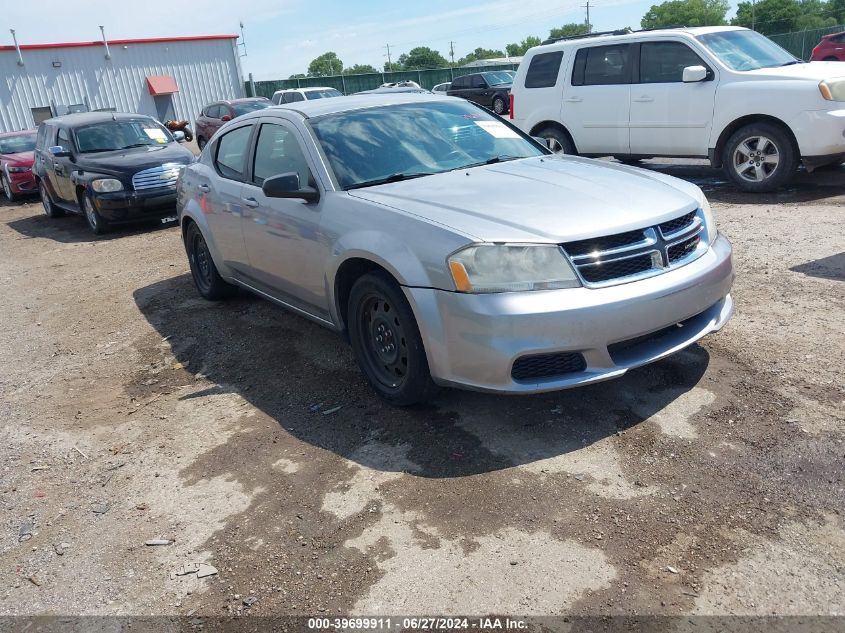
156,134
496,129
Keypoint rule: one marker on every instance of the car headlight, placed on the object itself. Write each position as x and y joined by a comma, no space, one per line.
511,268
833,89
709,221
19,170
106,185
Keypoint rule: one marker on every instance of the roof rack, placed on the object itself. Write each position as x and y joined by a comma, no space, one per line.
625,31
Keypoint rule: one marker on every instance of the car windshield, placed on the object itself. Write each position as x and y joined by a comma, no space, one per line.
415,139
746,50
18,143
116,135
250,106
498,78
322,94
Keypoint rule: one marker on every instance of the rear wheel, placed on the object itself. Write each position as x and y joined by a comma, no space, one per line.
7,190
50,209
208,281
627,160
96,223
760,157
830,58
386,341
557,140
499,105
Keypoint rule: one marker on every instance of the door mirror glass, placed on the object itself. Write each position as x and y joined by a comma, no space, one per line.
178,136
693,74
57,151
287,186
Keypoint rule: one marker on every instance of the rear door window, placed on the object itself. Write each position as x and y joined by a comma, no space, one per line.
664,62
232,149
602,66
478,81
543,70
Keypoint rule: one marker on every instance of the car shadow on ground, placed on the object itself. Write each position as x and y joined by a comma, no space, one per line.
72,228
832,267
297,372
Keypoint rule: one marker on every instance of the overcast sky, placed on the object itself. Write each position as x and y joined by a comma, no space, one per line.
283,36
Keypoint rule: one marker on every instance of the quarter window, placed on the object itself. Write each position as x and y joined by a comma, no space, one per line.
231,153
664,62
459,83
278,152
602,66
543,70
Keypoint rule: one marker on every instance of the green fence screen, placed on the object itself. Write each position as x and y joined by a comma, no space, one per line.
349,84
801,43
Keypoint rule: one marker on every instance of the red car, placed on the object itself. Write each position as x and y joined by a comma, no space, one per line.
214,115
830,49
17,153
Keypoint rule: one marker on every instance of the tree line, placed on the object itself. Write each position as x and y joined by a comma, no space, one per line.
769,17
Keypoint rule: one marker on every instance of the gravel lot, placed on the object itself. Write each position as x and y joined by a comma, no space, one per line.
709,483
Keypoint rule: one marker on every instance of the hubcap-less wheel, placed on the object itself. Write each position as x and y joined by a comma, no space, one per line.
498,106
201,262
756,159
91,213
383,336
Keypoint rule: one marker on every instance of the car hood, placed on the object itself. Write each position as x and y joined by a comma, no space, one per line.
127,162
548,199
811,71
24,159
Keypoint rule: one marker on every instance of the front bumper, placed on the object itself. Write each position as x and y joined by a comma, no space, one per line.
22,182
135,206
820,135
473,340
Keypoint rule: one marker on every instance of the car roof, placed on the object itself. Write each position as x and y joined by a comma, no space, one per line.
321,107
623,37
242,100
87,118
305,89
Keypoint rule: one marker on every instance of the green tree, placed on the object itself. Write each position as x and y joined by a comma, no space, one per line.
479,53
518,49
325,65
359,69
298,76
836,10
421,58
392,67
568,30
771,17
686,13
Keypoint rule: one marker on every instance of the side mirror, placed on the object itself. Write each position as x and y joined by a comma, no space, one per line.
287,186
178,136
693,74
225,118
57,151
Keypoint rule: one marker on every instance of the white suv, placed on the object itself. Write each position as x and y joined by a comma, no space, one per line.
723,93
292,95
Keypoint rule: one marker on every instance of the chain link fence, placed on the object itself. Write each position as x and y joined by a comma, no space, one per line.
350,84
801,43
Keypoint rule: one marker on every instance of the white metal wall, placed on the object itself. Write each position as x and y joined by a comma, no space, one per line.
205,70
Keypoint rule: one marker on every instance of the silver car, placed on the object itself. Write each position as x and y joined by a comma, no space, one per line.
450,248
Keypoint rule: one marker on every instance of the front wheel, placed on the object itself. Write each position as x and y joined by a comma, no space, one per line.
207,279
7,190
557,140
386,341
760,157
95,221
499,106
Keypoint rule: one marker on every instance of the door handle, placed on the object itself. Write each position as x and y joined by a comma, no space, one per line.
643,99
204,188
574,100
250,202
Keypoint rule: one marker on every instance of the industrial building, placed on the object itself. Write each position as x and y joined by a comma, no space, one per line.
166,78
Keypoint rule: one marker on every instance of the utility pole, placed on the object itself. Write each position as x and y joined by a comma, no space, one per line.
452,52
587,21
389,64
753,16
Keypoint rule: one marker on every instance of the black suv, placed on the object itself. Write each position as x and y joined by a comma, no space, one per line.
490,89
112,168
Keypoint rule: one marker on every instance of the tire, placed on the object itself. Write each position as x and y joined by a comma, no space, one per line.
627,160
386,341
208,281
500,106
50,208
201,142
557,140
96,222
830,58
7,190
760,157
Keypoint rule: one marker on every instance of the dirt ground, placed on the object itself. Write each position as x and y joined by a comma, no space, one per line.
709,483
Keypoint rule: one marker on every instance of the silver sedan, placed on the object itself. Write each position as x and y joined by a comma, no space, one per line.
450,248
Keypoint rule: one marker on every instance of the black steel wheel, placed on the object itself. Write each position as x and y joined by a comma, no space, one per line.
208,281
386,341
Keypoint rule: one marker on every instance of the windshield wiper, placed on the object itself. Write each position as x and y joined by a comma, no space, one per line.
795,61
501,158
136,145
386,179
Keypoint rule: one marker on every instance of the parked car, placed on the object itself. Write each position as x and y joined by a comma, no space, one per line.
216,114
394,90
490,89
292,95
16,158
451,248
724,93
112,168
441,88
830,49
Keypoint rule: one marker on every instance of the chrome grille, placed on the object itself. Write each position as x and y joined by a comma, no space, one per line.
157,177
623,257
